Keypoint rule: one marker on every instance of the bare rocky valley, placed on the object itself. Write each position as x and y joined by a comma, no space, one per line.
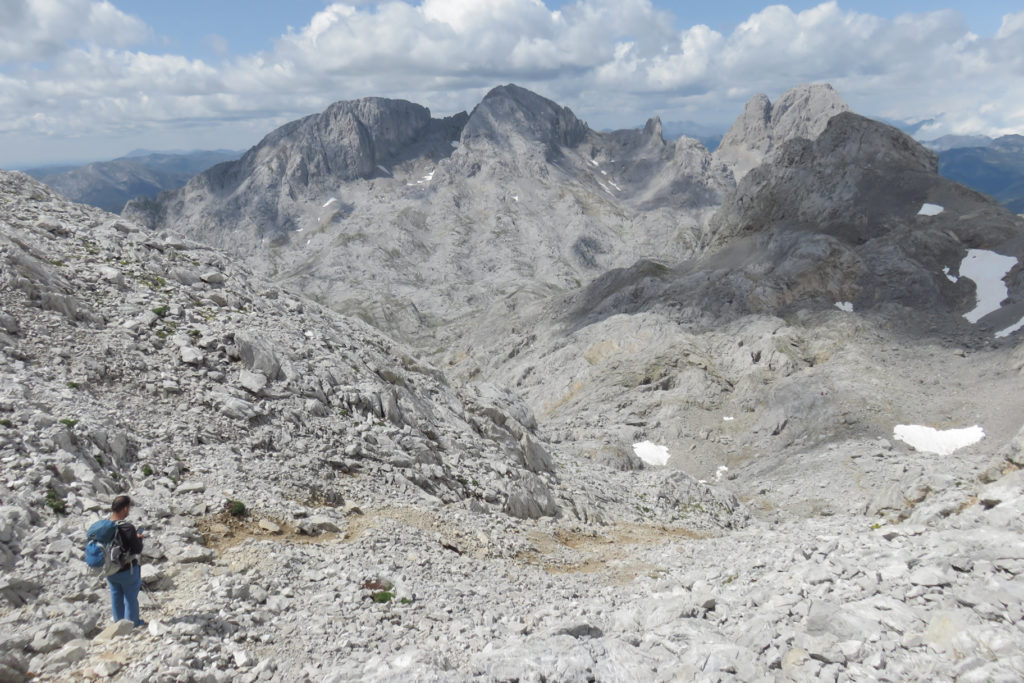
380,388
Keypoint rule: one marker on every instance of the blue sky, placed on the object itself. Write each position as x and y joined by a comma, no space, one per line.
90,79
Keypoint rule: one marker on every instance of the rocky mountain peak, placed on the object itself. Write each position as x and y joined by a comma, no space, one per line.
802,111
509,111
653,127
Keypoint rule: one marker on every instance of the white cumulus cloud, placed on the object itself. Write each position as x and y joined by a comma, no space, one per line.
77,68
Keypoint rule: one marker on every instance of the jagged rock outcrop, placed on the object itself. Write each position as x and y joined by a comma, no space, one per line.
801,112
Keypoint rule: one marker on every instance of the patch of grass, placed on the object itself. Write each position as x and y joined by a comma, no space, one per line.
68,423
162,310
72,385
57,262
236,508
162,334
153,281
195,334
382,596
406,601
343,412
6,423
55,502
147,470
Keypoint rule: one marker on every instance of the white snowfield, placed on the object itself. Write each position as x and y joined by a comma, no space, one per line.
987,269
940,442
1011,329
846,306
930,210
652,453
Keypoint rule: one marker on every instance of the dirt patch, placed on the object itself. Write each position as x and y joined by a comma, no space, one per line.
222,530
616,552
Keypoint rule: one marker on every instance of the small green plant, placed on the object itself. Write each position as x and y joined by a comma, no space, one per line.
236,508
55,502
343,412
147,470
68,423
57,262
162,334
382,596
162,311
195,334
6,423
72,385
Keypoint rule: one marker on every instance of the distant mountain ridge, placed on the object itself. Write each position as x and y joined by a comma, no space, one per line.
995,168
109,184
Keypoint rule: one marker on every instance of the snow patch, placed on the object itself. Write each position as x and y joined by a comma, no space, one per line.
651,453
604,172
845,306
1011,329
515,197
728,418
385,170
299,229
455,144
329,202
987,269
612,183
720,472
594,163
930,210
949,276
940,442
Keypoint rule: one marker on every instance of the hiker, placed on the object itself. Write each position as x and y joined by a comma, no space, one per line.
126,581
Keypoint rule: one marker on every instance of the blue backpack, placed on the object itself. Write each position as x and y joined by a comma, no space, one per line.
104,549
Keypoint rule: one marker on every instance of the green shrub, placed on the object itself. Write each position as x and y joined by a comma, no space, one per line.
147,470
55,502
72,385
382,596
68,423
6,423
236,508
161,310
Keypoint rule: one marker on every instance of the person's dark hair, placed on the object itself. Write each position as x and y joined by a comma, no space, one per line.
120,504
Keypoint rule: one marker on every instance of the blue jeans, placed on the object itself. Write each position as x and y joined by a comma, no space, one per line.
124,594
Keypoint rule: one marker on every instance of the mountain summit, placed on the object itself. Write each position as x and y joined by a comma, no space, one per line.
801,112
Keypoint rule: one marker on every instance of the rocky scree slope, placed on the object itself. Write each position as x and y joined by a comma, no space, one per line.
346,568
413,223
142,362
